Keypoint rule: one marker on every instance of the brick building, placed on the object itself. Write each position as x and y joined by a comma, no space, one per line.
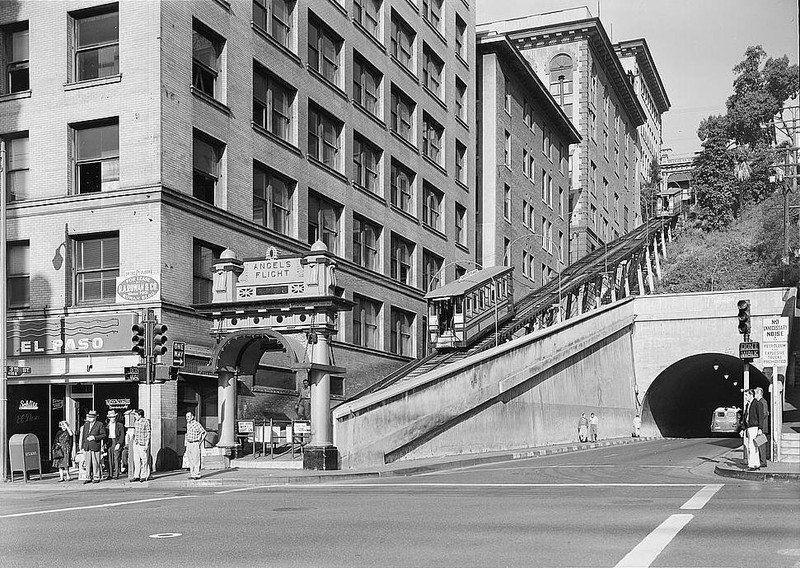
144,138
523,158
572,54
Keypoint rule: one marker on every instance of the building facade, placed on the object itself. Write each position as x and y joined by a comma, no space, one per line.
638,63
144,138
523,167
572,54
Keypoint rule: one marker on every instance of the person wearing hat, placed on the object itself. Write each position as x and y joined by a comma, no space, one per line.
90,440
115,443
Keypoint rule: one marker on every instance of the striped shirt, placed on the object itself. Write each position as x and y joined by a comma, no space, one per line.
194,431
141,432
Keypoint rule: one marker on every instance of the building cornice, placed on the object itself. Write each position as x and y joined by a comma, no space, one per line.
639,49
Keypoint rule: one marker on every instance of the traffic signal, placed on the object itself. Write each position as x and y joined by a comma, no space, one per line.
138,339
744,316
159,339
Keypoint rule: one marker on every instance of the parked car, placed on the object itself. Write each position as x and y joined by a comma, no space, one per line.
725,420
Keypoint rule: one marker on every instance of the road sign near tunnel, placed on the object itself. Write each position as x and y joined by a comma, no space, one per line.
749,350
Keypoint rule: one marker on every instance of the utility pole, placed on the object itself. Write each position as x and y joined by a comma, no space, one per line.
3,326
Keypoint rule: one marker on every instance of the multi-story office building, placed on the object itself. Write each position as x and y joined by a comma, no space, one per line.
523,159
144,138
638,63
572,54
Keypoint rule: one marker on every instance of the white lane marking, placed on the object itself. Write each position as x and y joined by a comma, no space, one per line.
702,497
646,551
117,504
464,470
486,485
672,466
166,535
250,488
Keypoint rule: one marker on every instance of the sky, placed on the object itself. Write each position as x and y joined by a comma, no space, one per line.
695,45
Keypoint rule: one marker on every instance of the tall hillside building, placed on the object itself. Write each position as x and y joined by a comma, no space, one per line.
573,55
523,167
144,138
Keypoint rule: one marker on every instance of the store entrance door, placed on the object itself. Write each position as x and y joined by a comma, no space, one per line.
82,403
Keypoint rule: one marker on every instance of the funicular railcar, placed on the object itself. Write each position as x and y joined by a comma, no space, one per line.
464,310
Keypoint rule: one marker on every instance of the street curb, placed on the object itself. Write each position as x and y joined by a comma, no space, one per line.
757,475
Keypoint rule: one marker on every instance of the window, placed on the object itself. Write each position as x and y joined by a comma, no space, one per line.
206,163
507,95
461,225
365,243
19,274
366,85
544,186
525,164
625,218
525,263
605,193
17,167
606,106
507,149
593,216
561,246
365,322
546,141
366,164
96,157
605,143
96,269
272,199
461,164
16,58
592,125
506,252
402,250
206,59
204,256
402,42
432,12
616,207
432,135
402,115
96,44
592,178
561,202
461,94
525,218
324,50
527,115
323,137
276,17
402,326
431,266
323,221
461,34
368,14
273,104
432,70
506,202
402,187
432,207
561,81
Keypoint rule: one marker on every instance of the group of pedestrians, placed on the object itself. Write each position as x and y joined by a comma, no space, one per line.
124,451
755,428
587,427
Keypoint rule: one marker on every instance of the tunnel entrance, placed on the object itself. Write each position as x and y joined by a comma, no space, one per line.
681,400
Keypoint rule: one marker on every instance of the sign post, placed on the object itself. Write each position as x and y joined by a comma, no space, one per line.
775,338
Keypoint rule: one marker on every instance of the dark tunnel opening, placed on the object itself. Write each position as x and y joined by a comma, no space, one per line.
683,397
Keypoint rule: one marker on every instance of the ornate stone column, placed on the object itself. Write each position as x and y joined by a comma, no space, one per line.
226,407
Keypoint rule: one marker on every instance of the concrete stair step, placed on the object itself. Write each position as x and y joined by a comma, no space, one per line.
789,459
790,443
794,436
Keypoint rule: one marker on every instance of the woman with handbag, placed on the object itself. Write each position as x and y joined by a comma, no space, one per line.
62,450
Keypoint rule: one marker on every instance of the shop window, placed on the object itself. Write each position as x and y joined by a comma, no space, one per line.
203,257
96,43
96,269
18,271
96,156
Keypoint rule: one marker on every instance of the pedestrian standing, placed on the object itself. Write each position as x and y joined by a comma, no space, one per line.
751,418
637,426
90,441
195,434
758,393
583,427
63,450
594,422
115,443
127,457
303,406
141,447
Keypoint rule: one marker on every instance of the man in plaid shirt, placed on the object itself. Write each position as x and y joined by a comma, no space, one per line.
195,434
141,447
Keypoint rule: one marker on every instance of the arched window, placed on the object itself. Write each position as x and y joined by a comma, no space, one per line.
561,81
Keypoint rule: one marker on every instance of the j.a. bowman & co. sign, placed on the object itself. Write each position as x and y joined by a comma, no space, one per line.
137,286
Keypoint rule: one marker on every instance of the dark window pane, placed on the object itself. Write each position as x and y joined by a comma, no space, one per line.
93,30
203,187
89,177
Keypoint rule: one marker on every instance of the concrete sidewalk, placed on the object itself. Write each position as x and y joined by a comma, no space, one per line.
256,477
733,464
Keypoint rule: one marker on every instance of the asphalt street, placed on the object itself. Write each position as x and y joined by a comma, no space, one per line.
651,504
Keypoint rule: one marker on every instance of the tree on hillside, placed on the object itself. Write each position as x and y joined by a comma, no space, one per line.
651,189
744,135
